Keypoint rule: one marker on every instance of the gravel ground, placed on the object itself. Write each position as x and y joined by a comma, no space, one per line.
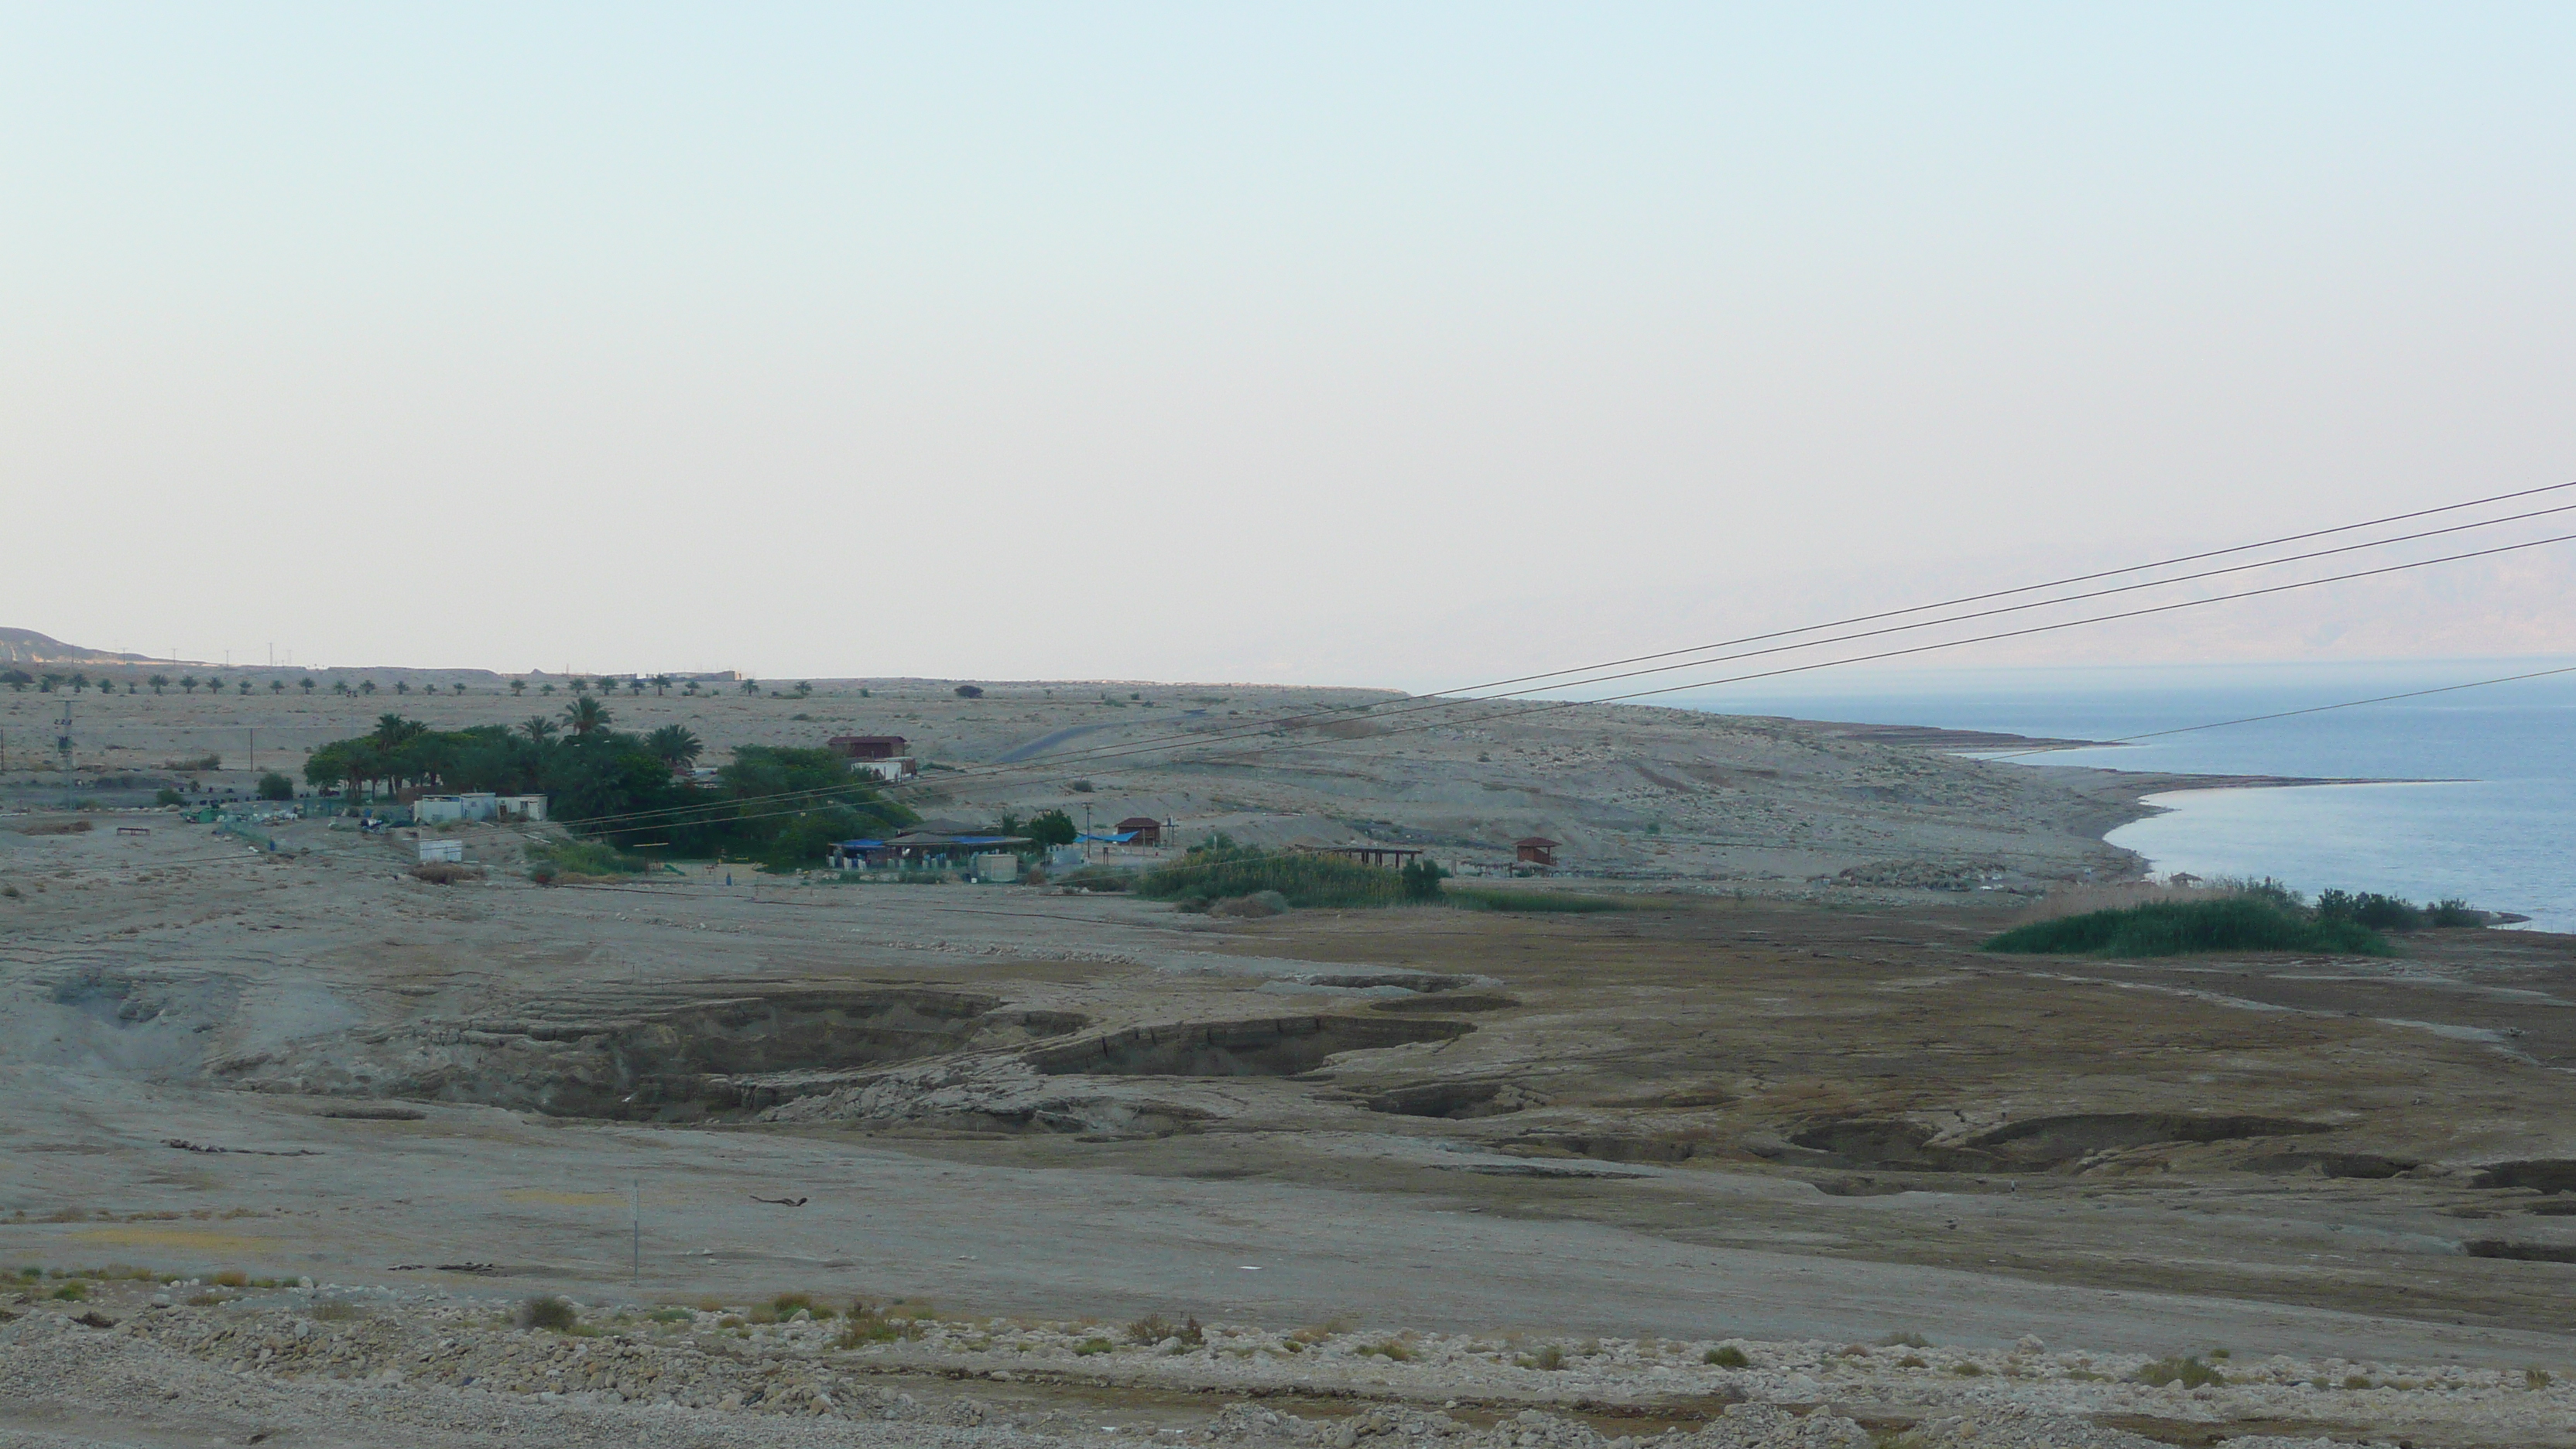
151,1364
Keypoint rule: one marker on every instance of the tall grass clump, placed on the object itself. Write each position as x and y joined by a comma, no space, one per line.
1222,869
2176,928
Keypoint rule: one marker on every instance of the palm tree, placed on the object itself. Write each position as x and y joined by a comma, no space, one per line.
635,687
804,688
188,682
243,685
402,686
547,688
661,682
537,728
277,686
750,686
585,715
690,687
159,682
674,745
366,686
580,685
518,686
305,684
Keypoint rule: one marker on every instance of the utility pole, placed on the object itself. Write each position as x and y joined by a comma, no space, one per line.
63,742
635,1262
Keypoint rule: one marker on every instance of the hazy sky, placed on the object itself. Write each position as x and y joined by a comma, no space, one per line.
1395,344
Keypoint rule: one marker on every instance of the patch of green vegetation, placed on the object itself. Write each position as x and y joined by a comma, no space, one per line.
1547,1360
553,860
1726,1355
1220,869
2171,928
72,1292
1905,1340
2184,1369
1090,1346
1489,898
786,1306
1390,1350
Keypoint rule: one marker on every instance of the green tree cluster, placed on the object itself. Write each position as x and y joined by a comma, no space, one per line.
778,806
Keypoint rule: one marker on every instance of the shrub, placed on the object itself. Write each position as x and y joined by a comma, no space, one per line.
2186,1370
1968,1369
970,691
1253,907
2356,1381
54,827
1391,1350
2369,908
1090,1346
167,796
1727,1355
2536,1379
1905,1340
1153,1328
2453,911
545,1311
72,1292
1096,878
2164,928
1422,880
231,1278
785,1305
274,786
1547,1360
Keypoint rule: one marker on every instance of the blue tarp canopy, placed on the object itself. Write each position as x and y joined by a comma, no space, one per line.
862,845
1119,839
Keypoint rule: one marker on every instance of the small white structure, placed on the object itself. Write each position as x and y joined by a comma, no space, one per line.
998,865
443,850
894,768
477,805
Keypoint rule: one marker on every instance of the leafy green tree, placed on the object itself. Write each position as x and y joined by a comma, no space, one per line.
518,686
49,684
674,745
79,683
970,691
159,682
274,786
242,685
635,688
1051,827
689,687
17,679
277,686
546,688
586,716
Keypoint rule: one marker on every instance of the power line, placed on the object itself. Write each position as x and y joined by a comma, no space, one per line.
2284,714
671,814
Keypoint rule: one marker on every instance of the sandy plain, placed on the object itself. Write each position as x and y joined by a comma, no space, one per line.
1780,1098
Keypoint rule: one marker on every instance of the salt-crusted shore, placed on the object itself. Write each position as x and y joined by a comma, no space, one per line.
133,1363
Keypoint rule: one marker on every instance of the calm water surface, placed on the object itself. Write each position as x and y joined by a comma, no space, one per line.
2499,828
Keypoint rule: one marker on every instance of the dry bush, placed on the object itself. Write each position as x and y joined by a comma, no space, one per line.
53,827
445,872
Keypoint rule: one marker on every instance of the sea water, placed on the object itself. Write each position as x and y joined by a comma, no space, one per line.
2494,821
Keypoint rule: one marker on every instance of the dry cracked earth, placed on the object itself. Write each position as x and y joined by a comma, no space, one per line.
1693,1119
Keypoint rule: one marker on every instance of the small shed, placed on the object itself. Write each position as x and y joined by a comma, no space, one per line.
1145,829
1535,850
865,747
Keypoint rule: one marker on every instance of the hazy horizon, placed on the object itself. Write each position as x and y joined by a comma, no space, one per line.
1372,346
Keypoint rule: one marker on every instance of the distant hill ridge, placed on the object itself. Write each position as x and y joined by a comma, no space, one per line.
26,646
